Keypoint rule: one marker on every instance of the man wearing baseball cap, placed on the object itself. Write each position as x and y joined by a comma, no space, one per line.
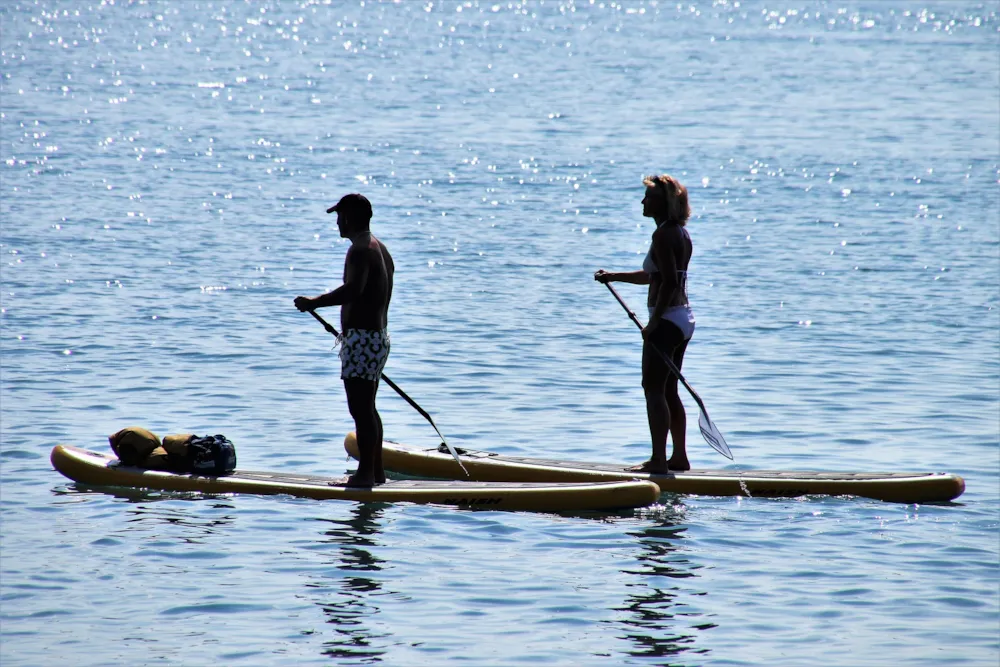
364,344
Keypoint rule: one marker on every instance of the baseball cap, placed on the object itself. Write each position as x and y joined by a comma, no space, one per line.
353,203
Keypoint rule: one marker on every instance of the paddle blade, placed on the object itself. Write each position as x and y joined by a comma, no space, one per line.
454,454
712,435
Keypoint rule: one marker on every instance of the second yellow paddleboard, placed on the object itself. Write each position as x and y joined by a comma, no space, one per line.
492,467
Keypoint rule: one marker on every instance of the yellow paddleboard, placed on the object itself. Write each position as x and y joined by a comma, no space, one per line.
94,468
491,467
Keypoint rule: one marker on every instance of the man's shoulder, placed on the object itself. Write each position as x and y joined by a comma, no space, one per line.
381,247
375,252
374,247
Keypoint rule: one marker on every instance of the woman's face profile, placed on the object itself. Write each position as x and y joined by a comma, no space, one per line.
651,202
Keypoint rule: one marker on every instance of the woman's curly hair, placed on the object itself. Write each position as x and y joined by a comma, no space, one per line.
675,208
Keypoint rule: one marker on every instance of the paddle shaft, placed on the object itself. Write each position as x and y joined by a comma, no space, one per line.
395,387
666,358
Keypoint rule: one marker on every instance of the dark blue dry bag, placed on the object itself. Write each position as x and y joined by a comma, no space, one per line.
211,455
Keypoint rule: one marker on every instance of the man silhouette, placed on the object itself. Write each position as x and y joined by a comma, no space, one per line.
364,299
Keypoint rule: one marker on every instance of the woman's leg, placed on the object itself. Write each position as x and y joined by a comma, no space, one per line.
678,417
654,378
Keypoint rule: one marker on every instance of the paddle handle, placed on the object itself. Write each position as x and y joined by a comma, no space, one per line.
326,325
624,305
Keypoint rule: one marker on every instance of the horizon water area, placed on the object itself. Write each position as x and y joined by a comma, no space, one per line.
166,167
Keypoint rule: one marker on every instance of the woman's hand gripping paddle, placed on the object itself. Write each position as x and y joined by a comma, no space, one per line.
709,431
328,327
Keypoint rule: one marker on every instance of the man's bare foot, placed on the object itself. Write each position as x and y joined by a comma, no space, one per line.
357,480
360,480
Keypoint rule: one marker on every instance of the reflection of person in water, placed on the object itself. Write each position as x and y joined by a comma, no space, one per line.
652,625
355,601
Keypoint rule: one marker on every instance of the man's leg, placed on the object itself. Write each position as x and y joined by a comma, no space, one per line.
368,426
378,468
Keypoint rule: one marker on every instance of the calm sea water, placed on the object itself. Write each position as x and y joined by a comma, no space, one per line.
166,166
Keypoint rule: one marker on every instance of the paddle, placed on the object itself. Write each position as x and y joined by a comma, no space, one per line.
329,327
708,429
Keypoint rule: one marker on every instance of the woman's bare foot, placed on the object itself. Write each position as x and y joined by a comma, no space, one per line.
651,466
655,467
680,465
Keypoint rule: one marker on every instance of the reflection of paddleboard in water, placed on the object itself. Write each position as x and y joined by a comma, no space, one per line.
98,469
490,467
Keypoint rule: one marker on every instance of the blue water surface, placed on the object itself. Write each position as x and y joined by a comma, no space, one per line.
166,167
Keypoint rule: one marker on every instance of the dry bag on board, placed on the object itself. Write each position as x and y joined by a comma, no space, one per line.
177,444
133,445
211,455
